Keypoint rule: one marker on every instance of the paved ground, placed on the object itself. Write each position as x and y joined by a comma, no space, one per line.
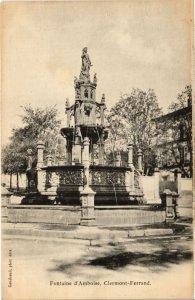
42,268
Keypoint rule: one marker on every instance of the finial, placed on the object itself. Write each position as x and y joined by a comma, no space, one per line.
103,98
95,78
67,103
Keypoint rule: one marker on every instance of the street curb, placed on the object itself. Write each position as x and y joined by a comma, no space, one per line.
89,234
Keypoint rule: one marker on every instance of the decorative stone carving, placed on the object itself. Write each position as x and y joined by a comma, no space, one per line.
88,108
71,177
104,177
55,179
95,151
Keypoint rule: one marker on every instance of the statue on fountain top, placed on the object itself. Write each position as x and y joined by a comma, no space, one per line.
86,64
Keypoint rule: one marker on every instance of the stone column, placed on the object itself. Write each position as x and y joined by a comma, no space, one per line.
85,158
179,181
102,107
139,154
77,150
49,160
157,199
118,160
68,152
87,195
40,172
130,165
101,151
130,155
40,148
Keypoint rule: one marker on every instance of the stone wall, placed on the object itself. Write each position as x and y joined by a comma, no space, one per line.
105,215
128,215
186,197
5,178
50,214
148,188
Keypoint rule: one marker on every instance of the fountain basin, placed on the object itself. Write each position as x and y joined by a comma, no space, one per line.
63,184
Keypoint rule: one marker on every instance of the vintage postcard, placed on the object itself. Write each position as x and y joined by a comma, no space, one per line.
97,149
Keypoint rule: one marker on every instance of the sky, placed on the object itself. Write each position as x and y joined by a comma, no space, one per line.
132,44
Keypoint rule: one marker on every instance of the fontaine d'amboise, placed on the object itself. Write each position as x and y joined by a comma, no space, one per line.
85,184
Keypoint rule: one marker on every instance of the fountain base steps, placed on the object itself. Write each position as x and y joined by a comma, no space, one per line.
82,234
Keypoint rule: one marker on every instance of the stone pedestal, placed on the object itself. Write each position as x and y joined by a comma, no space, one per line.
175,197
157,199
87,195
5,201
41,175
40,172
179,181
87,208
139,154
128,180
170,207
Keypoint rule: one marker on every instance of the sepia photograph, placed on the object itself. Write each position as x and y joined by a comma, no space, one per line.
97,150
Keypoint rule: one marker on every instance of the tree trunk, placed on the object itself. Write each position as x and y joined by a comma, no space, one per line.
191,164
17,182
10,181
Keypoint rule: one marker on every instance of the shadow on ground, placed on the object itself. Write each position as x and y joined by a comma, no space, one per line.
156,254
159,258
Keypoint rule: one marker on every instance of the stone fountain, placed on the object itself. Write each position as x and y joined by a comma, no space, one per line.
85,179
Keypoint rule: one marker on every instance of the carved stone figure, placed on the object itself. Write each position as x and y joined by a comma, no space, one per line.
86,62
88,108
77,131
29,152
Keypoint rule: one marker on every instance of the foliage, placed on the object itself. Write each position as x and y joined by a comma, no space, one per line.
130,121
182,99
38,124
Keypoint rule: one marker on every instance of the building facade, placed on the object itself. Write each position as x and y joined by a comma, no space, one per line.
173,141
